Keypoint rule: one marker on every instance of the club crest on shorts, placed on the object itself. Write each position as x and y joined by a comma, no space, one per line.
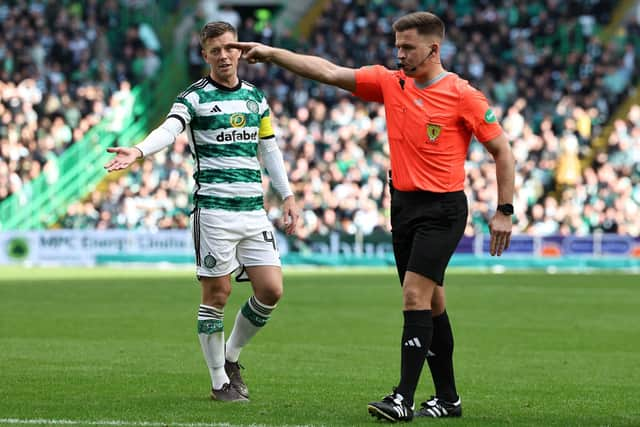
210,261
433,131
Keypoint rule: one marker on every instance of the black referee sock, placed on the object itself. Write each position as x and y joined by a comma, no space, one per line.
416,340
440,359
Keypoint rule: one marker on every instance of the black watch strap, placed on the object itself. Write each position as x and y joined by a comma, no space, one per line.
506,208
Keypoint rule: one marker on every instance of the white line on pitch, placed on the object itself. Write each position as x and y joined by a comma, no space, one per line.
121,423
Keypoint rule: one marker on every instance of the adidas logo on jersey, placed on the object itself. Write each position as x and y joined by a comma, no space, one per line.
216,109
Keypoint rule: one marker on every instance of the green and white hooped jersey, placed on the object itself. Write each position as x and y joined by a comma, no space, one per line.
224,126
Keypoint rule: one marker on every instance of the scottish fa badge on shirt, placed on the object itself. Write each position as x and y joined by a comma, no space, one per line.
433,131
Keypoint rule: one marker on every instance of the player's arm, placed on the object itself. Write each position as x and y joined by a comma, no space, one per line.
500,225
311,67
181,113
274,164
161,137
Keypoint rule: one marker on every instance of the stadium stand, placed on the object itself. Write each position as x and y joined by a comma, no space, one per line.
554,76
66,67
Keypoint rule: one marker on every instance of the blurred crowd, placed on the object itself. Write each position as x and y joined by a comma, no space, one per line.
66,66
553,84
154,194
551,79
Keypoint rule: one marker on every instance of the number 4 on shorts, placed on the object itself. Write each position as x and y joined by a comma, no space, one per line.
268,237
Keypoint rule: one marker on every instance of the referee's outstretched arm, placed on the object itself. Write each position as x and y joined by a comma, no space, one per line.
308,66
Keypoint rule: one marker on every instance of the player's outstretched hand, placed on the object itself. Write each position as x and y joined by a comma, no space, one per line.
290,214
500,227
252,52
125,156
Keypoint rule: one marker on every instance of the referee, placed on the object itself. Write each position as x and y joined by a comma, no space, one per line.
431,116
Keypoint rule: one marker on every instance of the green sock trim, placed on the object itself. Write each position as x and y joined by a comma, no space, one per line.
254,317
210,326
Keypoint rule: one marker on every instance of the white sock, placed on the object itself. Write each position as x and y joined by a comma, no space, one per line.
211,336
249,320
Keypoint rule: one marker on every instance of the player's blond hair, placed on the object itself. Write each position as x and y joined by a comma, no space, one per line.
212,30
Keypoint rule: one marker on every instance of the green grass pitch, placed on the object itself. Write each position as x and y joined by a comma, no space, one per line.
119,347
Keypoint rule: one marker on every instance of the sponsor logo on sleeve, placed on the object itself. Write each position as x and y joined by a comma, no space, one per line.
489,117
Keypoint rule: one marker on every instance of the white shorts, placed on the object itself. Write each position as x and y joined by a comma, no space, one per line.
229,241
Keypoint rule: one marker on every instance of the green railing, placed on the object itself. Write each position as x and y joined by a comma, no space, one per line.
42,200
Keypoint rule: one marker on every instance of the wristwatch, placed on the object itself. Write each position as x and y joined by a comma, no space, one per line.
506,209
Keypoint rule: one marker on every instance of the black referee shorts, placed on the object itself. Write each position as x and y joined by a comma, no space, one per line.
426,229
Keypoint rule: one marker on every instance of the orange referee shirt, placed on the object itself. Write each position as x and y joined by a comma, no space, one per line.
429,127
